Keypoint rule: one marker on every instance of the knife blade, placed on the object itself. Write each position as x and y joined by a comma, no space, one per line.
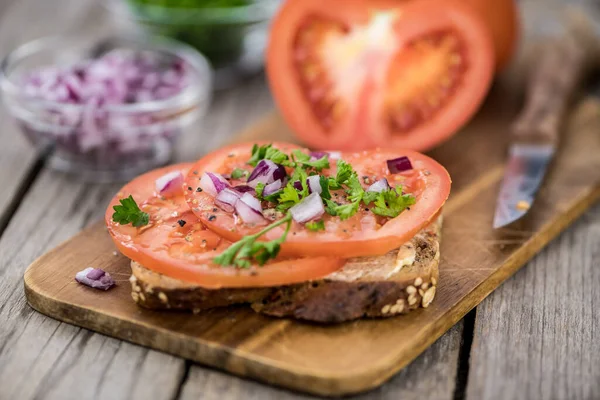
559,70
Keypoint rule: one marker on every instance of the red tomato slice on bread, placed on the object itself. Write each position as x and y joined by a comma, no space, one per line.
175,243
356,74
364,234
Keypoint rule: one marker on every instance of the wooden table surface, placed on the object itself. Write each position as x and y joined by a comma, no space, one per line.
537,336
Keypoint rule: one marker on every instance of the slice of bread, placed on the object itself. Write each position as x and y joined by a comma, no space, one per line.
381,286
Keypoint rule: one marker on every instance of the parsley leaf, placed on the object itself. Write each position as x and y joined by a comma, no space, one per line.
300,156
128,212
324,182
239,173
267,152
245,252
369,197
330,207
303,159
288,197
390,203
345,211
344,171
315,226
260,187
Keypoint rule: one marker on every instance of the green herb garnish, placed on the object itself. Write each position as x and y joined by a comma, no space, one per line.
302,159
315,226
128,212
267,152
248,250
239,173
390,203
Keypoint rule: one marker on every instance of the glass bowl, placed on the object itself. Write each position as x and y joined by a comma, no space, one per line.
107,142
232,37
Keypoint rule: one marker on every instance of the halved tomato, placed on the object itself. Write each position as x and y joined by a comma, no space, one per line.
364,234
175,243
357,74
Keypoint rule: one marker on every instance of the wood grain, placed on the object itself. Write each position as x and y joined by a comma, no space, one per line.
361,355
431,376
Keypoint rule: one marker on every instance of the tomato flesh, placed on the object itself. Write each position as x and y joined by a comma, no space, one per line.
364,234
177,244
362,74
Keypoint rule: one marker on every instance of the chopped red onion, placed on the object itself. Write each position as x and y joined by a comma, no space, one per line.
335,155
308,209
399,164
169,184
272,187
250,210
266,172
95,278
314,184
315,155
379,186
120,76
243,189
226,199
213,183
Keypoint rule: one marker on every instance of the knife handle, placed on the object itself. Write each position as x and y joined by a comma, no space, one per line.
554,79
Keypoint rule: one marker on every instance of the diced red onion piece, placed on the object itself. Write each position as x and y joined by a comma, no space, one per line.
266,172
379,186
169,184
315,155
212,183
226,199
249,209
243,189
334,155
308,209
314,184
95,278
399,164
272,187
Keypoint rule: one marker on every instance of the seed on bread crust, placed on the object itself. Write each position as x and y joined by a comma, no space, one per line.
428,297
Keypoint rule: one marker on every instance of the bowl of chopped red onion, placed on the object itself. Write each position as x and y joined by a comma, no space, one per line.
107,110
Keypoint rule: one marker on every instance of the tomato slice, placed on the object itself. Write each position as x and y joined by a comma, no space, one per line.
175,243
356,74
364,234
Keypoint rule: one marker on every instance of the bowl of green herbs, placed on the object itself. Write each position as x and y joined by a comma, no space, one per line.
231,34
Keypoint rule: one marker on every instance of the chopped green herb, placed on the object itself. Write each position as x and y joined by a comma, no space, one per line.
390,203
244,252
324,182
239,173
303,159
330,207
128,212
260,187
315,226
267,152
346,211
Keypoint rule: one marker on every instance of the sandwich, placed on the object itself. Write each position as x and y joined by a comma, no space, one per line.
318,236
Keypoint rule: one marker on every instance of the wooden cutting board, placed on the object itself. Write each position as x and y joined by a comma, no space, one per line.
360,355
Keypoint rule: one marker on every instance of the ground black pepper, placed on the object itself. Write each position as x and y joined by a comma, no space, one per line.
212,217
181,223
190,188
199,189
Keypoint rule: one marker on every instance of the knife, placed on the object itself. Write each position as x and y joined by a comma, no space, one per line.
559,70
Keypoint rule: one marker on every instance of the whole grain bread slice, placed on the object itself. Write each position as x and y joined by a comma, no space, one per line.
381,286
